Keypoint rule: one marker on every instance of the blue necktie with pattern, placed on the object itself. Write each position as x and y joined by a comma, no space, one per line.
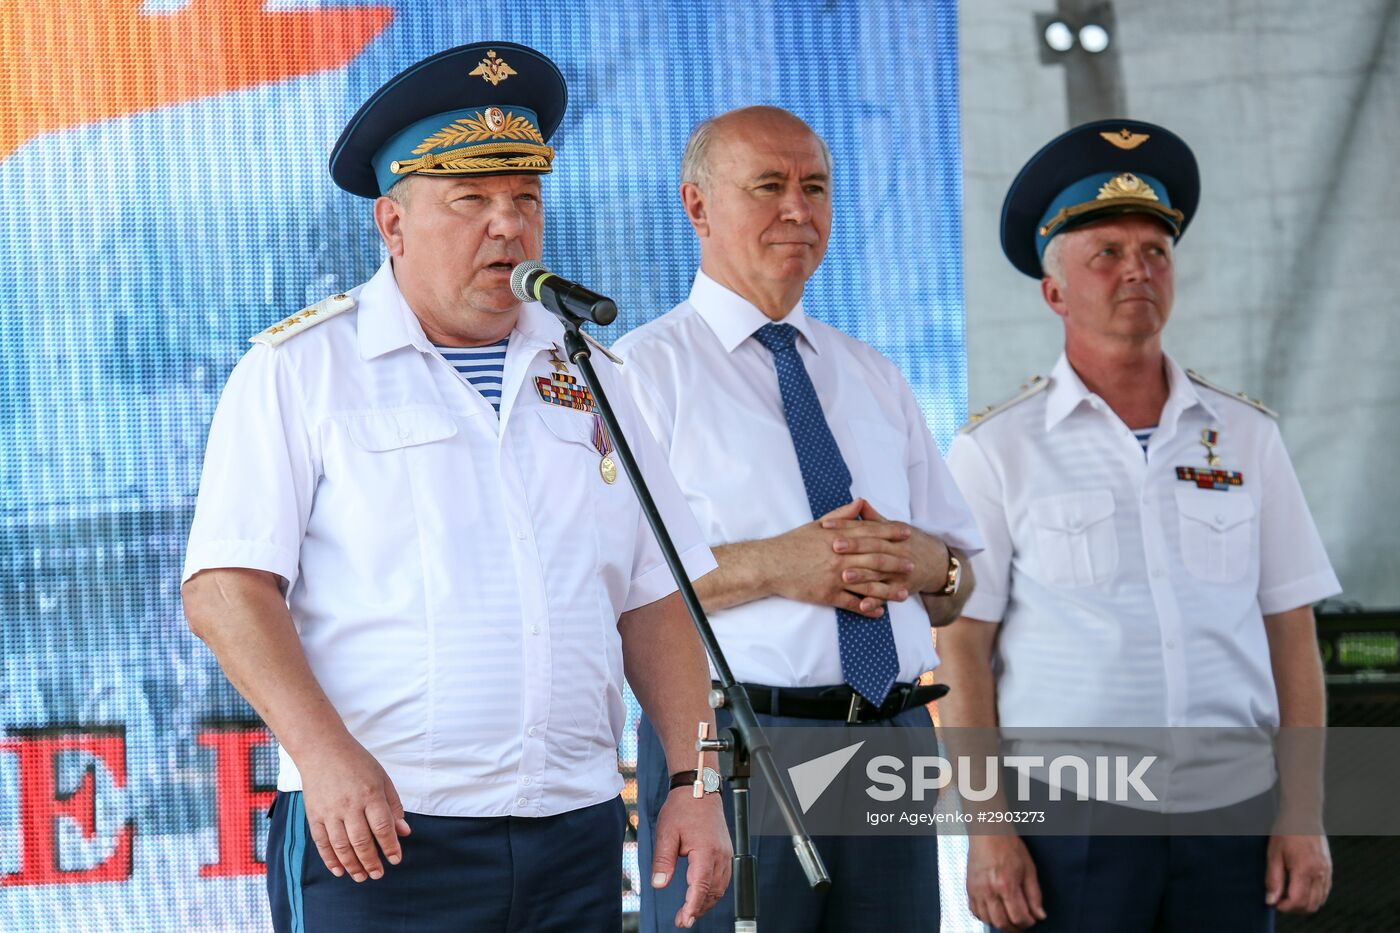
868,658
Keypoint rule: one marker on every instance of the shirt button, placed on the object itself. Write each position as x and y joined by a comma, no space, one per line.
534,630
520,534
1074,524
521,802
525,779
1220,520
531,731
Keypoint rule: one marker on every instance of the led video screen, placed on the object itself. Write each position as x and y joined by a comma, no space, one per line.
163,168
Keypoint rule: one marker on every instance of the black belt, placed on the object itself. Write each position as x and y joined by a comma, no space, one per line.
840,702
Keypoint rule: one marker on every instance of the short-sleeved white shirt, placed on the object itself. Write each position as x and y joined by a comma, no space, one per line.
455,580
1129,596
711,396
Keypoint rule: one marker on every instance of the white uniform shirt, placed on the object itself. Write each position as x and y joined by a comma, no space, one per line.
1128,596
455,580
711,397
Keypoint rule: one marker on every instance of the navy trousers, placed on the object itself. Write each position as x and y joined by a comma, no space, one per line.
458,874
1161,880
878,883
1151,884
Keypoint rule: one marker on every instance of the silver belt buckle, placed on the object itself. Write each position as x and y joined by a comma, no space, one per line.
852,714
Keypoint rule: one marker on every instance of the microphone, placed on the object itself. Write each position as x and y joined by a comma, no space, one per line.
531,281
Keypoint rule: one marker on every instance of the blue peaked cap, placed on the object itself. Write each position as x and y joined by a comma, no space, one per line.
483,109
1097,170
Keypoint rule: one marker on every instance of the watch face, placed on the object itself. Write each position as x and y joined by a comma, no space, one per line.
710,777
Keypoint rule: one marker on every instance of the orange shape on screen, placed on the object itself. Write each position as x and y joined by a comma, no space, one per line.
64,64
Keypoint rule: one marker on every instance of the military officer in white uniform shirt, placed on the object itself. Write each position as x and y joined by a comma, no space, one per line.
1150,560
838,531
409,555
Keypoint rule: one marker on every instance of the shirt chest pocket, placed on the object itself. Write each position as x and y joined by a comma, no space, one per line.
1076,540
1217,533
587,527
578,460
399,459
392,430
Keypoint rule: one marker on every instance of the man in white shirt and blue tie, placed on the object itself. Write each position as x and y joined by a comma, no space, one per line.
838,531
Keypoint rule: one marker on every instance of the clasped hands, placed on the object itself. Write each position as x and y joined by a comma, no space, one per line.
854,558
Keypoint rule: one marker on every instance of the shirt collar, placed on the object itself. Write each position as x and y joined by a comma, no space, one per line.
1067,391
387,323
1183,394
734,319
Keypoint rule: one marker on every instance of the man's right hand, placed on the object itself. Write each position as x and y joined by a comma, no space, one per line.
353,809
805,567
1001,884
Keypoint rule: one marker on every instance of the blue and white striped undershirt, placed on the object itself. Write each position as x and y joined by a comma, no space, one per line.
481,366
1143,435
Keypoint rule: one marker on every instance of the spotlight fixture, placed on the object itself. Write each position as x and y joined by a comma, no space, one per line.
1093,38
1059,36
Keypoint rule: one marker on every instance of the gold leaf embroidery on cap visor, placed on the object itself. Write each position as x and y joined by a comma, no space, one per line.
476,128
1125,191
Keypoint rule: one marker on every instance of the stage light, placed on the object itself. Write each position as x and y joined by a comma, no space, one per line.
1093,38
1059,36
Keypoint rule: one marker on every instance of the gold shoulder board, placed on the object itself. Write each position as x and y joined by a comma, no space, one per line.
1253,402
305,318
1028,388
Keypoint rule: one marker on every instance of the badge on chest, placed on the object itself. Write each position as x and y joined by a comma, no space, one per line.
562,388
1212,477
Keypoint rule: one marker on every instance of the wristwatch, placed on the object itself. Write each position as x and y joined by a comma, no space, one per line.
954,576
708,780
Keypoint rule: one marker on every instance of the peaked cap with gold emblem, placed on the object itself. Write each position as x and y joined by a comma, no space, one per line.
484,109
1094,171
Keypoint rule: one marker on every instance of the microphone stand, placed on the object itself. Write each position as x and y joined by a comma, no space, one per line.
743,743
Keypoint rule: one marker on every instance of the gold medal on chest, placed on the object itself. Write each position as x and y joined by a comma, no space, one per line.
607,467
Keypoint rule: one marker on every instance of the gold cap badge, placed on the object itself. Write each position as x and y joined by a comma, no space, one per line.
1127,185
1123,139
493,70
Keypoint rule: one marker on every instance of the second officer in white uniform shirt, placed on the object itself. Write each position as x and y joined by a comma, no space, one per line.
1150,562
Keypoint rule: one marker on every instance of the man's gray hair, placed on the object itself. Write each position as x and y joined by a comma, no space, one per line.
398,191
1051,262
695,163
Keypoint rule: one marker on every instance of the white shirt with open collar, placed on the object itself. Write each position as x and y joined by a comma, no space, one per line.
455,580
1127,596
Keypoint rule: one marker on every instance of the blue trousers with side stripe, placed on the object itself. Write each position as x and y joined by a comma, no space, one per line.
458,874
